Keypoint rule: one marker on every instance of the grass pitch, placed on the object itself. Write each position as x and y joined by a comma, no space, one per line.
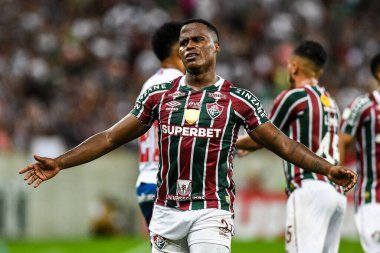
140,245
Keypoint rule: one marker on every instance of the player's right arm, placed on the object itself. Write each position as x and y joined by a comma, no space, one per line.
136,123
94,147
269,136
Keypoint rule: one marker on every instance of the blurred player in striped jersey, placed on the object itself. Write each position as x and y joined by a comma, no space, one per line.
199,116
361,125
308,114
165,47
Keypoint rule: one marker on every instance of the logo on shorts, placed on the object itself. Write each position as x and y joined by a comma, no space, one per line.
226,228
376,236
183,187
214,110
159,241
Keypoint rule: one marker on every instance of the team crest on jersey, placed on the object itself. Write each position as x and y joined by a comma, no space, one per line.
191,116
183,187
376,236
214,110
159,241
325,101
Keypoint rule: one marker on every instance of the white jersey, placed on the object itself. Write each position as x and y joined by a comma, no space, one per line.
148,143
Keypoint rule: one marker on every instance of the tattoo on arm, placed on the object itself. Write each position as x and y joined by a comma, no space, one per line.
317,166
303,158
276,136
294,148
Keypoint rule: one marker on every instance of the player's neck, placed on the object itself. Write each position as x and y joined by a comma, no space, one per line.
301,82
200,80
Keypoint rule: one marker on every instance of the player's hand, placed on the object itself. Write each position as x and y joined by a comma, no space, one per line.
343,176
44,169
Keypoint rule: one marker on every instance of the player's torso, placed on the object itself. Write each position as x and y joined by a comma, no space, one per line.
315,125
368,151
197,132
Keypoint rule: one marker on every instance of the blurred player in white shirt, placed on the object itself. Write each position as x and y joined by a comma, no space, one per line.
165,46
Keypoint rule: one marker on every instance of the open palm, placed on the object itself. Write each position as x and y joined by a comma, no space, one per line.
44,169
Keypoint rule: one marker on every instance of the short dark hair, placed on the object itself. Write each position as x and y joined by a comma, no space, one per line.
375,66
164,38
205,22
312,51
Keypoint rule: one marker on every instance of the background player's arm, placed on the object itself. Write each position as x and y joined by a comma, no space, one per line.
94,147
273,139
345,140
245,142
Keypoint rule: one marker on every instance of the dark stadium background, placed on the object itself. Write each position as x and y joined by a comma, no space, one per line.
69,69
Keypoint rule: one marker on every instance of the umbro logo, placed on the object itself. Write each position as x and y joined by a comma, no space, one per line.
173,103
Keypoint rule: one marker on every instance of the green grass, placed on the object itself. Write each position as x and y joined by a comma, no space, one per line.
139,245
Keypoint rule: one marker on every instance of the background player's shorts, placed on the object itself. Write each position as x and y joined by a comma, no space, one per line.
368,224
146,192
314,217
145,197
175,230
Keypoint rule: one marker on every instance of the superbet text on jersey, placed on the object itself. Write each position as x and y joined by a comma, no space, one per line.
197,135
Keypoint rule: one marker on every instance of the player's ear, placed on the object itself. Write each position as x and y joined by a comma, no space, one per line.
217,46
293,67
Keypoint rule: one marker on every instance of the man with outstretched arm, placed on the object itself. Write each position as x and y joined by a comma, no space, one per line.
199,115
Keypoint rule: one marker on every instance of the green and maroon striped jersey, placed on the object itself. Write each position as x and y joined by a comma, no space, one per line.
310,116
361,119
197,135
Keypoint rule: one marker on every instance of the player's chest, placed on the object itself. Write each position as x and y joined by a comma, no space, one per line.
194,108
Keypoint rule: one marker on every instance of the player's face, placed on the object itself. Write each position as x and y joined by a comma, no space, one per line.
197,47
292,66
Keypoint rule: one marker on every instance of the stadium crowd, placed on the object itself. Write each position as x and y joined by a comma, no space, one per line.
73,68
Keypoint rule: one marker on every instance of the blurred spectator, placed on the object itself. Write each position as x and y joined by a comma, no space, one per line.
107,218
77,58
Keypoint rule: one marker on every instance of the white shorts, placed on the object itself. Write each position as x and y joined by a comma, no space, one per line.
368,224
174,230
314,216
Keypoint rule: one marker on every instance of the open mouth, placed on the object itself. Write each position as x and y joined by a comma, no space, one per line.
191,56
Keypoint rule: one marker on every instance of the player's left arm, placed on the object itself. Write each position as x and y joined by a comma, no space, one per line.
273,139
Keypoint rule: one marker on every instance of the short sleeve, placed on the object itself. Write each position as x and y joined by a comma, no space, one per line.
146,105
248,109
286,106
352,115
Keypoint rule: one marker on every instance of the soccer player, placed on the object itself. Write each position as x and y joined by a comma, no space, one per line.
308,114
199,115
165,46
361,125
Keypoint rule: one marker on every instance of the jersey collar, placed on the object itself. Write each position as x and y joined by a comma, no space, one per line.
216,85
